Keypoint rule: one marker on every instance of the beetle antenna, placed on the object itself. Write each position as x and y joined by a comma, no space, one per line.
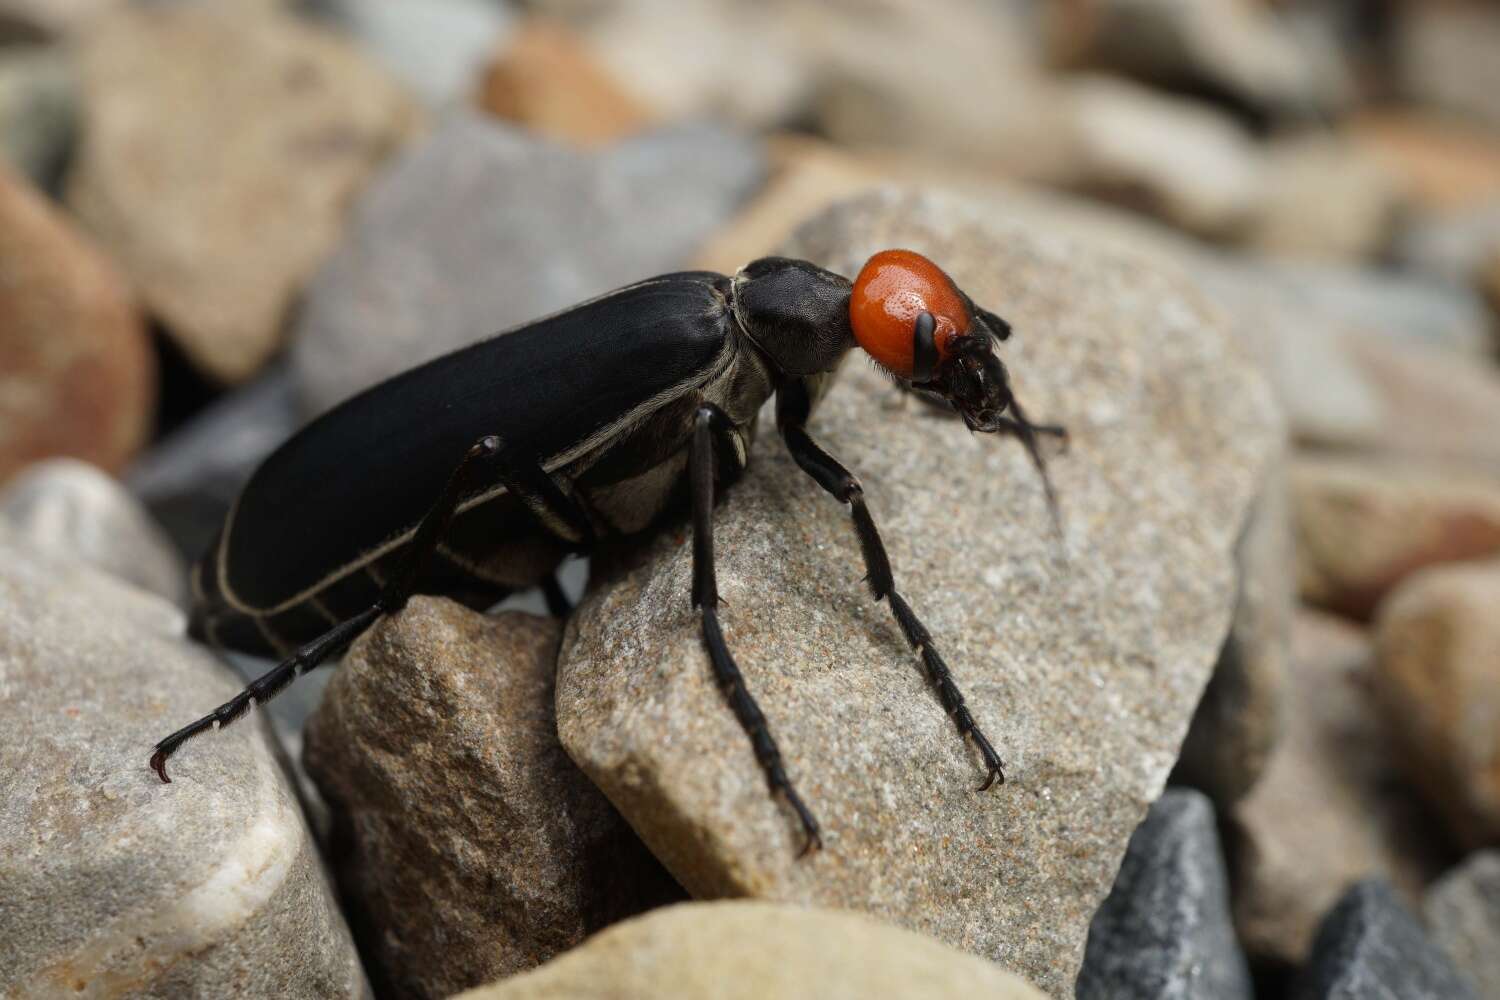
1028,433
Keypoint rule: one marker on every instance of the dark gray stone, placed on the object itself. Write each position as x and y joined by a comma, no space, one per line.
483,227
1371,945
1463,913
191,477
1165,930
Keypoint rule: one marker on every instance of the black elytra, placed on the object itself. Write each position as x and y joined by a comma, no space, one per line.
475,474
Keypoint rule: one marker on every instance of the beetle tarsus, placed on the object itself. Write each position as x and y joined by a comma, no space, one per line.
159,765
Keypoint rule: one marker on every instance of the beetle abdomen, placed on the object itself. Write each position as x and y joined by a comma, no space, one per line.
340,498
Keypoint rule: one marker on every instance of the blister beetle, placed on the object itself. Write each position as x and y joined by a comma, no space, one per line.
596,422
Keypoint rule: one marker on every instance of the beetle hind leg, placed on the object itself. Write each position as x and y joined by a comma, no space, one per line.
709,423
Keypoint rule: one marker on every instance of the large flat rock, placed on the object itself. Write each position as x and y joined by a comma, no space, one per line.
1083,658
114,884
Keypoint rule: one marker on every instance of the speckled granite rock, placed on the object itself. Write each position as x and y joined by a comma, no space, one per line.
751,951
1463,916
1372,946
221,146
1331,808
116,885
1438,684
1364,525
469,845
71,508
1164,933
441,252
1083,659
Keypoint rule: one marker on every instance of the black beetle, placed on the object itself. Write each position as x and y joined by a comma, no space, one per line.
598,421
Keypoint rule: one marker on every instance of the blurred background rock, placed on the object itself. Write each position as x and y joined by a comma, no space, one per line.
217,219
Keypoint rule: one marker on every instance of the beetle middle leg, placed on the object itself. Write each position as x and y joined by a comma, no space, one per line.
539,492
792,409
710,423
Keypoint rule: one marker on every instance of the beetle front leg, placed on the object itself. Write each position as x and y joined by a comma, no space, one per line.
711,422
792,407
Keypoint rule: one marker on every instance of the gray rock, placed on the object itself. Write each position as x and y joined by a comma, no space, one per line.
1454,245
1370,945
1084,656
71,508
1239,720
752,951
38,112
1446,55
118,885
482,227
1164,933
438,48
1463,915
469,844
189,479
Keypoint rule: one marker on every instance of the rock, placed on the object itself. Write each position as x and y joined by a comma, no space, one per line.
1237,51
1164,931
473,849
1324,197
1453,245
220,147
438,48
38,112
545,80
46,20
189,479
442,252
77,374
1446,59
1086,675
1463,914
1174,159
1364,525
1444,165
1371,945
1238,720
1330,808
749,950
72,509
116,884
1438,683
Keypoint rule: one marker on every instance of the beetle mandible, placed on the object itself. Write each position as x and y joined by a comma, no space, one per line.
597,422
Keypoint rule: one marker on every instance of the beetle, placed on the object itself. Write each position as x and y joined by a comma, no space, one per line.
475,474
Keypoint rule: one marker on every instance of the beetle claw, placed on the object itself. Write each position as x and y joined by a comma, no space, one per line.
159,765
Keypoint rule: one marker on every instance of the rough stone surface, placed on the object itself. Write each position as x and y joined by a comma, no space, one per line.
1330,808
38,111
1463,916
1238,721
77,376
1171,158
1236,50
545,80
1372,946
1084,656
1364,525
442,252
1164,933
438,48
115,884
1438,683
189,478
751,950
470,845
71,508
220,146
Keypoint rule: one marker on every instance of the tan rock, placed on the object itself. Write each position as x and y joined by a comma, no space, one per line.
1438,683
77,375
1324,197
116,885
1084,658
39,20
751,951
474,848
1329,809
1446,58
1442,164
546,80
221,146
1364,525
